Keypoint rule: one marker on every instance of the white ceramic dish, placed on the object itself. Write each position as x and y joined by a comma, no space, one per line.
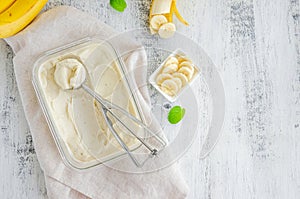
152,78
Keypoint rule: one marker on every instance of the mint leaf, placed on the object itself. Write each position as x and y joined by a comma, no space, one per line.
176,114
118,5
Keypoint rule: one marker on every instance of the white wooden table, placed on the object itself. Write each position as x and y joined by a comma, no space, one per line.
256,47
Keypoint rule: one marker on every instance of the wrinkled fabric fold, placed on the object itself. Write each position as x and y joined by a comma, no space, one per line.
50,30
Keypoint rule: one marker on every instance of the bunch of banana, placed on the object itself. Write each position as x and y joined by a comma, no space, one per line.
17,14
161,18
175,74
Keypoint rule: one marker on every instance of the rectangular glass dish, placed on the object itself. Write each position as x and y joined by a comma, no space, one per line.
74,118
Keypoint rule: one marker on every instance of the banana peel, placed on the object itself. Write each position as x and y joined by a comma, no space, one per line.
17,14
166,8
178,15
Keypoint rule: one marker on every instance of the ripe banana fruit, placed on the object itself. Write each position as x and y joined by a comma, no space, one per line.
17,14
164,26
177,71
5,4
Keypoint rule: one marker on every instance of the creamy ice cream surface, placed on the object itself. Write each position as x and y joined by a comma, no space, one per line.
77,116
69,73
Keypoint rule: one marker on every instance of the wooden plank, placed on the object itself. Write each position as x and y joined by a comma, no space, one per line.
21,176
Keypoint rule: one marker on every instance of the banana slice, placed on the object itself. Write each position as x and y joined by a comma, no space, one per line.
182,58
167,30
168,92
171,60
171,68
187,72
178,82
187,64
157,21
162,77
178,15
182,77
169,87
152,31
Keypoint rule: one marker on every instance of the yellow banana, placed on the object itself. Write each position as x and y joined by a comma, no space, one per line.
18,15
164,8
4,5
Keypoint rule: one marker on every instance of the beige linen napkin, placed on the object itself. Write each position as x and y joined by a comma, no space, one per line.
51,29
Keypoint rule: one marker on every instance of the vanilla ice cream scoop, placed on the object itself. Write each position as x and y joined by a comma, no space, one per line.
69,73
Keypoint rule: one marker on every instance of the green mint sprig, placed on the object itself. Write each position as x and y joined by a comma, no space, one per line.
118,5
176,114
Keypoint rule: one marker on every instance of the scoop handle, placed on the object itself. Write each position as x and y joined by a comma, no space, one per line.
104,110
108,105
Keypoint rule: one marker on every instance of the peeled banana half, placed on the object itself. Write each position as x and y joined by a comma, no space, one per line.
161,18
17,14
